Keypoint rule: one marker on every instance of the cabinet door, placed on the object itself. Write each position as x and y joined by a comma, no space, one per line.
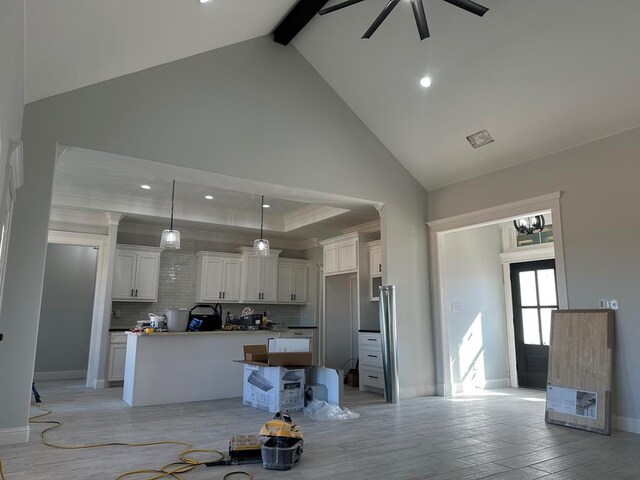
252,282
269,279
300,285
348,256
375,260
212,280
117,357
285,283
232,281
124,276
147,272
331,260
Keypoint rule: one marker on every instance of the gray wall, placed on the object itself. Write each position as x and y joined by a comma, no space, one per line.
253,110
600,230
67,308
11,76
17,336
477,334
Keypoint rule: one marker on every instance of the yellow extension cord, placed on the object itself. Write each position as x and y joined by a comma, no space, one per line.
173,470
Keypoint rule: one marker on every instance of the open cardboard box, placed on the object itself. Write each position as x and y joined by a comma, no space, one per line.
260,356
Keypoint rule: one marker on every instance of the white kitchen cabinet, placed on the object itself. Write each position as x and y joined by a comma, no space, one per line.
309,333
135,275
370,355
341,254
218,277
293,280
117,356
260,276
375,269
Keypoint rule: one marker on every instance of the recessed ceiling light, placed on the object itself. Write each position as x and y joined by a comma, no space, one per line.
480,139
266,205
209,197
425,82
204,1
145,187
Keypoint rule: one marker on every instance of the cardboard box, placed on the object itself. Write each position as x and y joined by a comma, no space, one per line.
274,389
258,355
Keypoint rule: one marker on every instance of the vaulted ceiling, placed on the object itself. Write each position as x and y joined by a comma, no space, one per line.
541,76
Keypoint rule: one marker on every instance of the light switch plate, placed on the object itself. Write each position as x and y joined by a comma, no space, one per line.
456,307
610,303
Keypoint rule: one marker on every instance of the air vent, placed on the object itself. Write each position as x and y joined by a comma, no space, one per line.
480,139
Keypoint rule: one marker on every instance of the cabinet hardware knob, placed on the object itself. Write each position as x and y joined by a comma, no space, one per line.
379,267
219,294
223,294
371,376
372,356
294,296
372,339
136,292
132,292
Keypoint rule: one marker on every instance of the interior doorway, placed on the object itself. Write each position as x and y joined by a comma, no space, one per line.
64,332
534,297
466,317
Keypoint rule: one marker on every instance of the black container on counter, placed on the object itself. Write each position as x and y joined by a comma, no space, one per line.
205,322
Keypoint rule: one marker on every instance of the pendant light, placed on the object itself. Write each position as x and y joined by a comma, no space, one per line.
529,225
171,238
261,246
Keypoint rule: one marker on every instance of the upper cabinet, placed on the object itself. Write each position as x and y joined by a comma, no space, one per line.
260,275
293,280
135,275
340,254
219,277
375,268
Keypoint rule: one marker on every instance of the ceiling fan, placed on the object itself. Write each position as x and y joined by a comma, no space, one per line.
418,12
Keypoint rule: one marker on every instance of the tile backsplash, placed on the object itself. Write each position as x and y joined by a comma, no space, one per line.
177,289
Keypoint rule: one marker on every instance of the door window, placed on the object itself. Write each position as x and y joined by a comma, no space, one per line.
538,299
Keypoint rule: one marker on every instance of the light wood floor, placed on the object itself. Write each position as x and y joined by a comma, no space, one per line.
499,435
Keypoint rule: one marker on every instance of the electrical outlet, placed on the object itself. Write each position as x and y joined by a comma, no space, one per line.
609,303
456,307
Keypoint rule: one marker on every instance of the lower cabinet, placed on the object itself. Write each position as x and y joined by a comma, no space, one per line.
309,333
370,355
117,356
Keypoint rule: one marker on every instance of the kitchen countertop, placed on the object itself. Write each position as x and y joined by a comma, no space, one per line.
199,334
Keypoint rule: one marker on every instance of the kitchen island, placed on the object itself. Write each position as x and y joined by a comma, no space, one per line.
177,367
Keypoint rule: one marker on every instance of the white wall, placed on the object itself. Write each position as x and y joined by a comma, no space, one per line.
67,309
253,110
600,230
477,334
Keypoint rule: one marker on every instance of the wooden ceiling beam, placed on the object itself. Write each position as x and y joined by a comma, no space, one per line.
296,20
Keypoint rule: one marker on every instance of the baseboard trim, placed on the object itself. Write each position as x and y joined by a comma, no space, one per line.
63,375
488,385
626,424
101,384
421,391
12,436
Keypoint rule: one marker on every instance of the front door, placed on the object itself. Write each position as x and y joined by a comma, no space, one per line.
533,288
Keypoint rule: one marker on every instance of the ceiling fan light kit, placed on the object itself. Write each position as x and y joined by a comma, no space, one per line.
418,12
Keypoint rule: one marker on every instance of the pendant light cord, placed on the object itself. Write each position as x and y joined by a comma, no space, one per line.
173,193
261,215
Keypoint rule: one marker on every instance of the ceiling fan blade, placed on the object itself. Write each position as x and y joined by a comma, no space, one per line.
378,21
338,6
469,6
421,18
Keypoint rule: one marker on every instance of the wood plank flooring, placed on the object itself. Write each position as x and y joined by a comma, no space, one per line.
499,435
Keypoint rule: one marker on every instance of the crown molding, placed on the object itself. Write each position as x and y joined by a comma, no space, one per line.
310,214
209,236
131,205
369,227
79,217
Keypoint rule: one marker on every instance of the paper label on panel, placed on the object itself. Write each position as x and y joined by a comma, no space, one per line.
570,401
